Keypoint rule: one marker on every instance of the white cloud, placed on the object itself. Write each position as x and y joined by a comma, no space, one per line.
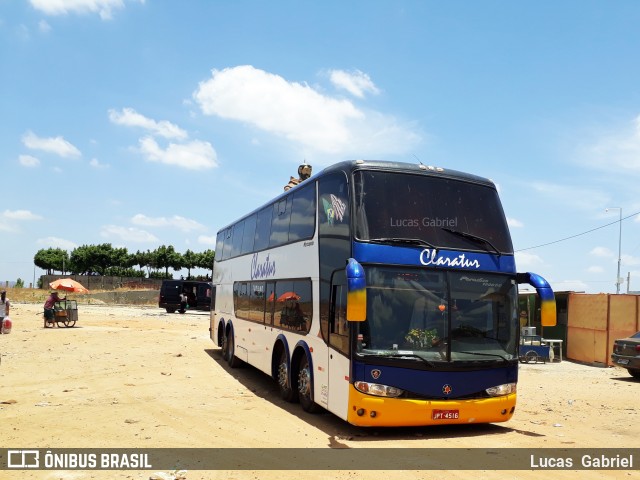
28,161
9,219
22,32
103,8
603,252
6,227
128,234
595,269
95,163
55,242
629,261
301,114
575,197
44,27
207,240
569,286
619,150
57,145
195,155
513,223
130,118
526,260
20,215
356,83
181,223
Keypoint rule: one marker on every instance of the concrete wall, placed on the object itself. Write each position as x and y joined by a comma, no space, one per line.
134,297
98,282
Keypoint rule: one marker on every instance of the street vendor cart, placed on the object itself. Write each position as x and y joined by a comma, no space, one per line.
65,311
534,348
65,314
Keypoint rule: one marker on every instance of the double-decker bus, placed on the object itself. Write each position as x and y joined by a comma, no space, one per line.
385,293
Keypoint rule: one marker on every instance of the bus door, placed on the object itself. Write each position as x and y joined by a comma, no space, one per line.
339,371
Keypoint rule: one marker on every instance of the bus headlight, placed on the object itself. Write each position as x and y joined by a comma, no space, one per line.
504,389
377,389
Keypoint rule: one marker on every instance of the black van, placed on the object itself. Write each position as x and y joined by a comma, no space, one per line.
198,294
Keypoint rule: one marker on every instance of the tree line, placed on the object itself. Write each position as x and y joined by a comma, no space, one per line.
106,260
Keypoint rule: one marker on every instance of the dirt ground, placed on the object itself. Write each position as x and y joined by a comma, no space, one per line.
137,377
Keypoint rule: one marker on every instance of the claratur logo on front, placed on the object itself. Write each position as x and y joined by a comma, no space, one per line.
375,373
446,389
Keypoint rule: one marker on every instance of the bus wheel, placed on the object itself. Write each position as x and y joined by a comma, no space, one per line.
231,358
221,336
305,387
223,346
286,392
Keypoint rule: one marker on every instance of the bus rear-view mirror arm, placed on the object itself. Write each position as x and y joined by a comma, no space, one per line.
547,298
356,292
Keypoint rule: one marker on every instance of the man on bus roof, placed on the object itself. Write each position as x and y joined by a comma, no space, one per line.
304,172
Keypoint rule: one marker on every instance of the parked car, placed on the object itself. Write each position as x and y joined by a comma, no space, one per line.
198,294
626,353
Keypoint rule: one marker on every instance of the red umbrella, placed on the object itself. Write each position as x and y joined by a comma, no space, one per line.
68,285
288,296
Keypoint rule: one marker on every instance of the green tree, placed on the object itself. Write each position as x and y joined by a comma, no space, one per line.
190,260
92,259
166,257
141,259
82,260
206,260
51,259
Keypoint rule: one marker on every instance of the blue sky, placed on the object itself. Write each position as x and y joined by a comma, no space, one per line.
143,123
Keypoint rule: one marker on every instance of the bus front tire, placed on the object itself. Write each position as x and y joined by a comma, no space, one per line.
305,387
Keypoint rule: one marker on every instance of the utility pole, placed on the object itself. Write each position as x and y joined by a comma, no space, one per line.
618,282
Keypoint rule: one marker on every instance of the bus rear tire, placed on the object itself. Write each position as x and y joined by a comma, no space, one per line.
232,360
305,387
287,393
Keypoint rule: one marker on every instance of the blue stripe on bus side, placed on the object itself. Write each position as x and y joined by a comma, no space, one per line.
426,257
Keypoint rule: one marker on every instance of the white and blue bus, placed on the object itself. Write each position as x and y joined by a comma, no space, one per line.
385,293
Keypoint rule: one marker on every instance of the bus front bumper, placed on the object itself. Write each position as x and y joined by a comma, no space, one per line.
371,411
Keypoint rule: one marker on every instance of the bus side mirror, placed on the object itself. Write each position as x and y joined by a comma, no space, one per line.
356,292
547,298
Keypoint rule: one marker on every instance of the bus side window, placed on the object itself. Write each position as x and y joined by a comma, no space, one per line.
270,302
338,326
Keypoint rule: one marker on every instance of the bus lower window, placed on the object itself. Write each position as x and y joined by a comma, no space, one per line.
339,328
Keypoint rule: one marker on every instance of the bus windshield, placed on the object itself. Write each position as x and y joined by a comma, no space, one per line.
437,211
439,316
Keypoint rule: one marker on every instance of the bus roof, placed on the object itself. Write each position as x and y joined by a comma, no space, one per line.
419,167
400,167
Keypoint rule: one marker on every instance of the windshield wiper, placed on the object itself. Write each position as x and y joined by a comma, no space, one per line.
471,236
410,355
403,241
486,355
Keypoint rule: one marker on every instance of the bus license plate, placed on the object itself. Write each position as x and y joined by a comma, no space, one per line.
445,414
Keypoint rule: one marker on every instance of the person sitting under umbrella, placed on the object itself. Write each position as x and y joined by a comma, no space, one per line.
49,304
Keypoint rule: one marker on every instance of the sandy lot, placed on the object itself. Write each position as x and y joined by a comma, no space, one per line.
133,377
